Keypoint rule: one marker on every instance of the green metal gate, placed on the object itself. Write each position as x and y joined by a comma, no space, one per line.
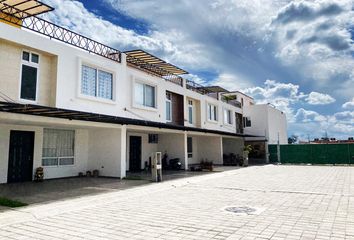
313,153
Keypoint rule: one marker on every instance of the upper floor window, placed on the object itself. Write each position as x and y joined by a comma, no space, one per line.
227,116
190,111
145,95
247,122
96,83
29,76
168,106
212,112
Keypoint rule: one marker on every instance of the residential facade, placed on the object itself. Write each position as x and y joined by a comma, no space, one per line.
70,104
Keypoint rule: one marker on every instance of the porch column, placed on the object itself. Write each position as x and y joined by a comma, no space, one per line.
221,151
123,152
266,152
185,141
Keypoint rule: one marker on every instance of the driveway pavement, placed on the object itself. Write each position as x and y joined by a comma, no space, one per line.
273,202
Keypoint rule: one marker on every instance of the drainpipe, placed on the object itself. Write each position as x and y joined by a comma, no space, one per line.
278,151
123,151
185,151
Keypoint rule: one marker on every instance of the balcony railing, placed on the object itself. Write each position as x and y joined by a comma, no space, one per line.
196,87
56,32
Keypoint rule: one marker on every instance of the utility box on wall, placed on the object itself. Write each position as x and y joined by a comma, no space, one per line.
156,167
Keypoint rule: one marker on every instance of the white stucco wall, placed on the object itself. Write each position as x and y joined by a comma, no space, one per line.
210,148
81,152
174,145
267,121
277,124
67,73
105,151
233,145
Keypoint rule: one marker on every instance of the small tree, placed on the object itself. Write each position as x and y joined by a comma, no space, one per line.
247,148
292,139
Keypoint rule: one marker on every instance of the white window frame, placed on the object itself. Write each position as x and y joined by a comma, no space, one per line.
190,110
59,158
216,114
143,107
97,98
30,64
168,101
226,116
245,119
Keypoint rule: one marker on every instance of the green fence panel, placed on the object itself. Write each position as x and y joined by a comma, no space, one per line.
351,153
313,153
273,156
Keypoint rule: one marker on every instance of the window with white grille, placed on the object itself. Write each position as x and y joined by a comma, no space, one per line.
58,147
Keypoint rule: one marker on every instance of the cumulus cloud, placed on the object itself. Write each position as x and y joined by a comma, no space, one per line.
349,104
316,98
243,42
315,36
305,116
307,11
281,95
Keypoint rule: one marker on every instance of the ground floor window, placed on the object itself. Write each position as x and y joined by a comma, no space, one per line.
58,147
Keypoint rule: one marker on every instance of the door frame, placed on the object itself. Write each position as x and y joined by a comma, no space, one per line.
31,152
141,151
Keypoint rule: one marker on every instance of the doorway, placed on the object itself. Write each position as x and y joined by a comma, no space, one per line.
21,148
134,153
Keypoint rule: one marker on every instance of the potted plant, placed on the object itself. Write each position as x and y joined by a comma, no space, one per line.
246,150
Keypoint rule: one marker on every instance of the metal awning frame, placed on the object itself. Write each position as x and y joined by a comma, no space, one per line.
152,63
43,111
14,10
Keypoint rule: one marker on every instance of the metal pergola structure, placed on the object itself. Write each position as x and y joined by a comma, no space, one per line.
154,65
22,9
23,13
43,111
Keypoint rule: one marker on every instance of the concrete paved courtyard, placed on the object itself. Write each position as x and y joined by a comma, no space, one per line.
291,202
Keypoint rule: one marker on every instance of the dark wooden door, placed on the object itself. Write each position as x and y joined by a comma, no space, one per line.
20,156
135,153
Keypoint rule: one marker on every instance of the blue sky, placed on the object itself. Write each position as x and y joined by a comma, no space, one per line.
297,55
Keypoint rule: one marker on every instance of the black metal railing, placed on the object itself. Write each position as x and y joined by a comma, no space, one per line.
140,64
56,32
191,85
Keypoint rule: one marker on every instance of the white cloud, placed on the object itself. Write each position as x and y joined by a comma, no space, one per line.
281,95
230,82
305,116
315,38
316,98
349,105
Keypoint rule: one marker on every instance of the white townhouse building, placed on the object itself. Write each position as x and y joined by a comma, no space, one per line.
70,104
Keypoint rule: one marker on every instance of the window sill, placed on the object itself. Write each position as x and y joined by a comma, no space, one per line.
212,121
151,109
28,101
58,166
97,99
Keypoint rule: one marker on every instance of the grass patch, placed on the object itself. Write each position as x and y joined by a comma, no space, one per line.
133,178
11,203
